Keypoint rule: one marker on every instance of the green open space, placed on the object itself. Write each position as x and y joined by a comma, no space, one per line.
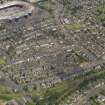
93,101
46,5
2,61
100,13
59,92
55,94
75,26
7,94
50,95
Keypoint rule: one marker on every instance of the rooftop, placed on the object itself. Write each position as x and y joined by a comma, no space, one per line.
15,9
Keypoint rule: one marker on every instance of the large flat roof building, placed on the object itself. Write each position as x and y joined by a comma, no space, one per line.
15,9
14,16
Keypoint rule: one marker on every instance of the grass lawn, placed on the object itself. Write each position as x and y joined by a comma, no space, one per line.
94,101
30,103
54,95
100,13
46,5
73,26
2,61
7,97
6,94
49,95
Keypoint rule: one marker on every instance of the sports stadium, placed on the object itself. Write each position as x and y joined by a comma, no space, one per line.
15,10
